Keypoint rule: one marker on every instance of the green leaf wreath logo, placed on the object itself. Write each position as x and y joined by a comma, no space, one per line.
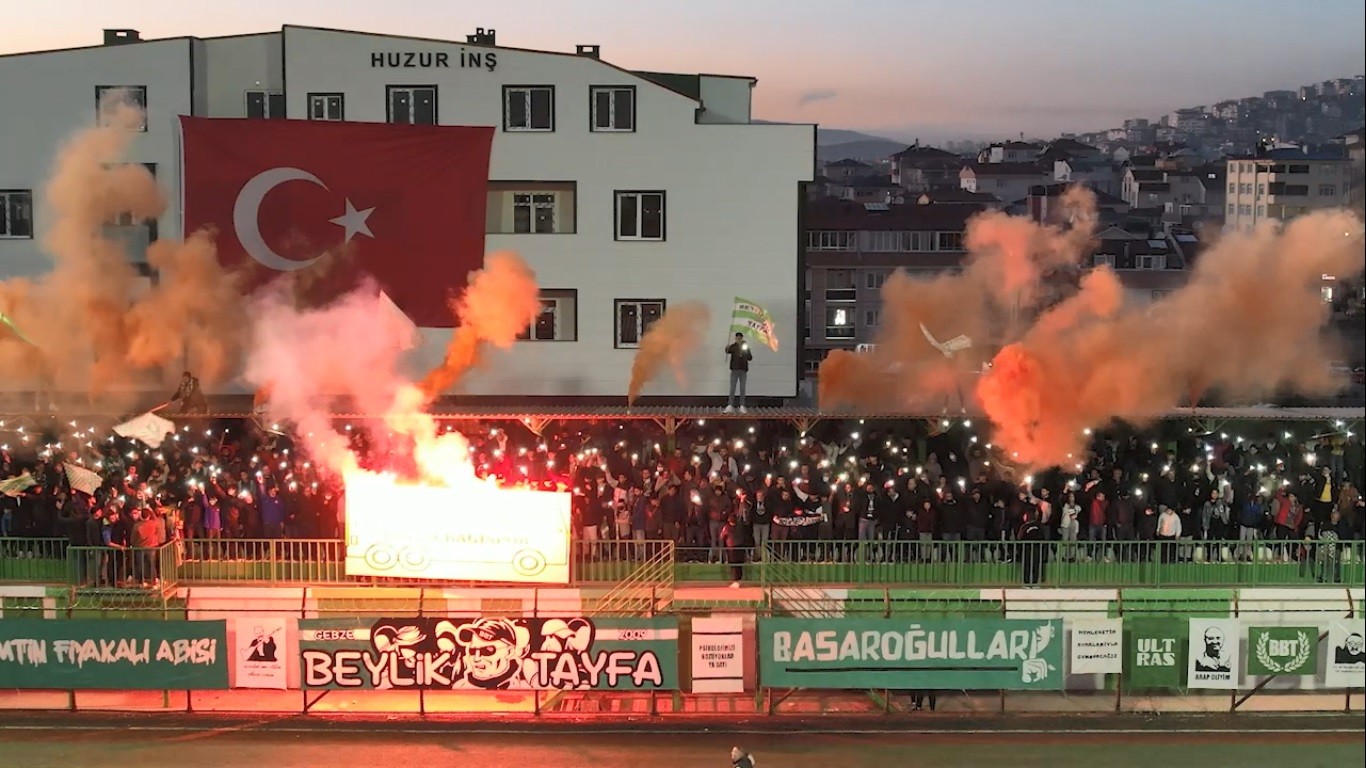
1302,650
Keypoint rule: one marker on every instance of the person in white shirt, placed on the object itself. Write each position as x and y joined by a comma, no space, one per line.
1168,531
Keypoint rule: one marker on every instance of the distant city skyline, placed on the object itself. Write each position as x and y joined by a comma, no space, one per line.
903,69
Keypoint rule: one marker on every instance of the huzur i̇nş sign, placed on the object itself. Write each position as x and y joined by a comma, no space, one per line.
963,654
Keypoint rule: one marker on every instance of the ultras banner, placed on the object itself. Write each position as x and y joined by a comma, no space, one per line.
80,654
490,653
962,654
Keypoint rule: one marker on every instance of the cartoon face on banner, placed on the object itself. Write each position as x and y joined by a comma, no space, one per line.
491,653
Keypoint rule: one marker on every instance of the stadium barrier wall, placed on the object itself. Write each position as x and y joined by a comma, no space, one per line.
712,650
306,562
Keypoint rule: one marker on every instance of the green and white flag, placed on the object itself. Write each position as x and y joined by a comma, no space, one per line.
754,322
82,479
17,484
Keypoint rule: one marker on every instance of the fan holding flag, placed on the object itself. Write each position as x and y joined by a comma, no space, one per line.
748,322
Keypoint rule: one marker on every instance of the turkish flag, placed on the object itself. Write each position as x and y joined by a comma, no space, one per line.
402,203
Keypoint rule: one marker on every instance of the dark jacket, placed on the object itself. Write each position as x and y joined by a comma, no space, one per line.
739,355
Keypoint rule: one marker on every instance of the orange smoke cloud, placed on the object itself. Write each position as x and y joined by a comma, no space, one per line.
1009,272
501,300
97,326
670,340
1249,323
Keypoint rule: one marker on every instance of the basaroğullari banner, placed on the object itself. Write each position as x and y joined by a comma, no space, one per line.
962,654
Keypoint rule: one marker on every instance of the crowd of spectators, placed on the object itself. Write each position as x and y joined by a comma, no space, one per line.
724,490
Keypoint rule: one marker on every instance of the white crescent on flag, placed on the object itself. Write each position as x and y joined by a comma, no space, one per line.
949,348
149,428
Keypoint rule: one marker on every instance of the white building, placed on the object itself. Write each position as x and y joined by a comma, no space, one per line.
716,197
1283,184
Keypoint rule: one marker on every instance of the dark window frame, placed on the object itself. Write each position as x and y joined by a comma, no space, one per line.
530,128
269,97
617,343
5,212
389,102
341,105
558,294
100,90
557,186
617,195
594,90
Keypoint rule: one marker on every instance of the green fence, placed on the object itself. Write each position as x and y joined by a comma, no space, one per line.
779,563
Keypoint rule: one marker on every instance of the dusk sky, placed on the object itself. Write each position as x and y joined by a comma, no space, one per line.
933,69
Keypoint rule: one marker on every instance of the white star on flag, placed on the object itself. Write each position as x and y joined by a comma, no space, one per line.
353,221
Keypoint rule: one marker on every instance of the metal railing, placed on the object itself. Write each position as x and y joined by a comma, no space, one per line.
123,567
1263,563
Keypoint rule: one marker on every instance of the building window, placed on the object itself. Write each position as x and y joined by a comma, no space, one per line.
922,241
874,280
888,242
872,318
634,318
558,320
268,105
326,106
16,214
839,286
529,108
110,97
412,104
1232,188
950,241
831,240
640,216
839,323
1150,261
1328,190
812,359
1244,210
531,208
1103,260
1230,209
1261,210
533,213
612,108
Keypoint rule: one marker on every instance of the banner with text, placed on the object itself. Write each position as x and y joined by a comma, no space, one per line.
1346,654
490,653
80,654
962,654
1097,646
718,654
1282,651
1154,652
1213,653
258,657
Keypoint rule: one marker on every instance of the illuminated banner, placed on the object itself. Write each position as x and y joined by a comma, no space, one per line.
960,654
82,654
477,532
490,654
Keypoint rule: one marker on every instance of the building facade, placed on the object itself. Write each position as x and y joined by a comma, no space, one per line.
1283,184
851,249
625,191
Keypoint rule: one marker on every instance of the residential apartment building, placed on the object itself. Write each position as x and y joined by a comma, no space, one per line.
851,249
1280,184
624,190
1009,182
